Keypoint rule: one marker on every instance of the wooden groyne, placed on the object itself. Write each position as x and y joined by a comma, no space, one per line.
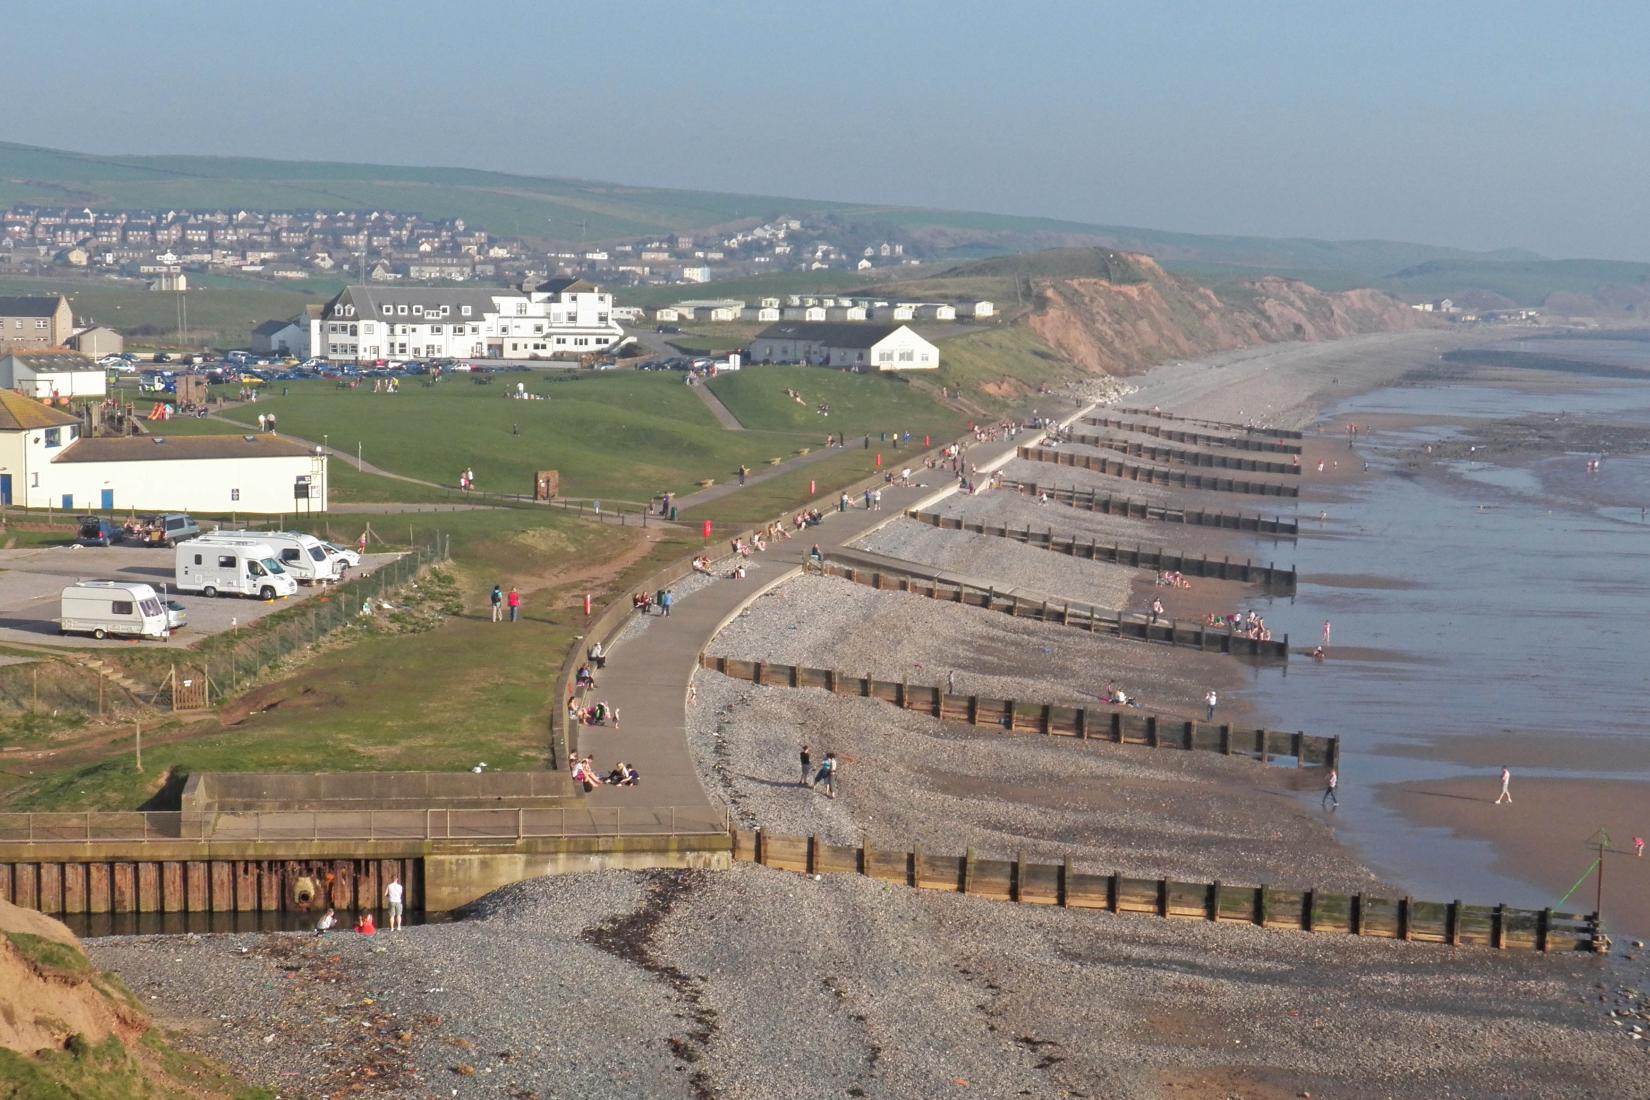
1091,500
1219,425
1157,475
1184,457
1119,726
1274,580
1187,435
1499,927
1080,616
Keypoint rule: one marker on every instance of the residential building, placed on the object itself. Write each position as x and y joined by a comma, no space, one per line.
30,435
97,341
560,317
35,321
868,346
262,474
282,338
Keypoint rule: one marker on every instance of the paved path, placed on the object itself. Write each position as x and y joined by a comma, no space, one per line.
647,676
721,412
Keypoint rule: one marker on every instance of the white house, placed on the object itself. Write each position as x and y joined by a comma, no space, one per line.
560,317
845,313
53,374
874,347
30,435
694,274
981,309
188,473
900,311
282,338
937,311
803,313
759,313
667,313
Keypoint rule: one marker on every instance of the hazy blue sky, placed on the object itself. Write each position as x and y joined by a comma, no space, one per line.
1474,124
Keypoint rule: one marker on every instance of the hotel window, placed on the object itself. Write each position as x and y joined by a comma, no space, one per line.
402,310
418,311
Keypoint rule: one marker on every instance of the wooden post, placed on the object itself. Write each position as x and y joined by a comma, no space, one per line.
138,738
813,853
1296,741
1498,928
1403,917
1065,883
916,862
968,871
1082,724
1163,897
1260,905
1111,892
1452,923
1543,925
1309,914
1019,875
1225,739
1355,919
1213,904
761,849
1151,730
1008,708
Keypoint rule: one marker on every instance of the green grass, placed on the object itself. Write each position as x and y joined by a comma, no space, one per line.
767,500
1011,360
615,435
218,317
466,691
859,403
49,954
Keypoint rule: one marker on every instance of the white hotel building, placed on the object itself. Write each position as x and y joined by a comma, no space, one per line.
561,317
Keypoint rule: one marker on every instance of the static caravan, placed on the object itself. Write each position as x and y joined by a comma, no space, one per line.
212,564
122,608
299,554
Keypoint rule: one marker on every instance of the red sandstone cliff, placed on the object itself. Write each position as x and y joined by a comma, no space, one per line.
1125,327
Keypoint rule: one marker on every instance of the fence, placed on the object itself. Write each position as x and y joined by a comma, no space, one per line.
1155,453
92,827
1278,581
1081,616
1157,475
1016,716
1497,926
229,661
1177,435
1223,425
1093,501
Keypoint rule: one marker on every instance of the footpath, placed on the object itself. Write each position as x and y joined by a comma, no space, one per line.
648,675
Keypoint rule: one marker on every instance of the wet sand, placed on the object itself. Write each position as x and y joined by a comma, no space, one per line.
1542,835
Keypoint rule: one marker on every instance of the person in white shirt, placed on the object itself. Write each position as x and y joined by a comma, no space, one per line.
392,901
326,923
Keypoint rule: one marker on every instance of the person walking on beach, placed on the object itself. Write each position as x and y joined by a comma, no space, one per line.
1330,798
1505,795
807,767
514,601
498,604
1209,702
392,902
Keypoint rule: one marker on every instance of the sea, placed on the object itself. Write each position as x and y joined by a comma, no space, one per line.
1479,601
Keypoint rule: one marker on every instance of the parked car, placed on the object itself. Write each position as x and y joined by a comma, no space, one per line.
168,529
344,556
177,616
667,329
97,531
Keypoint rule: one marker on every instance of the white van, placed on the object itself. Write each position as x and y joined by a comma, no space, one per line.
211,564
122,608
302,555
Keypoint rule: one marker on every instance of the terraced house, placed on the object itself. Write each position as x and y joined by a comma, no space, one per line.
559,318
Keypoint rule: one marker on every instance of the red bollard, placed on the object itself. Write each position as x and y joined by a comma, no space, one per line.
587,605
879,462
707,529
811,489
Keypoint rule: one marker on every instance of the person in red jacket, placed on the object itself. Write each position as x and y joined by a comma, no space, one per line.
513,602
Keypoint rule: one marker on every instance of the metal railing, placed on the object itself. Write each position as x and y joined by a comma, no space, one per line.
94,827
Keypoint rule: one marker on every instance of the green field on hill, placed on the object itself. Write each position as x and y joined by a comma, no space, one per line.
859,403
220,317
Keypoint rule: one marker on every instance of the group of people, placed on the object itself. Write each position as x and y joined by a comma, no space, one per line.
1248,624
266,422
1171,578
394,896
467,479
586,775
1116,696
503,602
811,517
826,775
644,602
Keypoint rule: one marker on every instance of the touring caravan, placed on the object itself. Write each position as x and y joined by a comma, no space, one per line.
122,608
302,555
236,566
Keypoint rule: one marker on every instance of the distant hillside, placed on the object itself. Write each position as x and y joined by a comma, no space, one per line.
1589,287
539,208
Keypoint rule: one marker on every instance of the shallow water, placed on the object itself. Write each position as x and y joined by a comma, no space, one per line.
1470,598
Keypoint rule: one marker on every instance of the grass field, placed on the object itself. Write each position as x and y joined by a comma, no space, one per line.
467,691
221,317
859,403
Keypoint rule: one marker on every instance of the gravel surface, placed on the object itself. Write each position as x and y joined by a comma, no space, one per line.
828,622
910,778
684,589
757,983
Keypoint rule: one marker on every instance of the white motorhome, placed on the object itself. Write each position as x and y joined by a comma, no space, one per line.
212,564
121,608
304,556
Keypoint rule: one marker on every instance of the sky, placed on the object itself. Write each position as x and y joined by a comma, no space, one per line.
1476,125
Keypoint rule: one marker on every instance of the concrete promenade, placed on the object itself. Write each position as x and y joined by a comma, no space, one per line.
647,676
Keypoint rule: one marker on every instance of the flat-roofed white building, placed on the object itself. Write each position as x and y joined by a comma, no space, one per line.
53,374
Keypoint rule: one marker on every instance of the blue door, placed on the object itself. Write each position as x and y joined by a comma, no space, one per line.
68,502
5,489
108,499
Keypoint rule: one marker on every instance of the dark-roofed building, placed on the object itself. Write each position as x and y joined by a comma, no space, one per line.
282,338
35,321
365,323
53,373
849,344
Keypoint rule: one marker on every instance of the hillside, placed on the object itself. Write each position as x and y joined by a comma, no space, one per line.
540,208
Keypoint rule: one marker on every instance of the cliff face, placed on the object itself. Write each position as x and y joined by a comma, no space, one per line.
1124,328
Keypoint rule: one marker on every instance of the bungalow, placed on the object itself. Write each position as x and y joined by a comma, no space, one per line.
876,347
937,311
53,373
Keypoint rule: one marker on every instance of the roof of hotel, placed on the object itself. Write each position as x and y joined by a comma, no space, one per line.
20,414
846,335
156,448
